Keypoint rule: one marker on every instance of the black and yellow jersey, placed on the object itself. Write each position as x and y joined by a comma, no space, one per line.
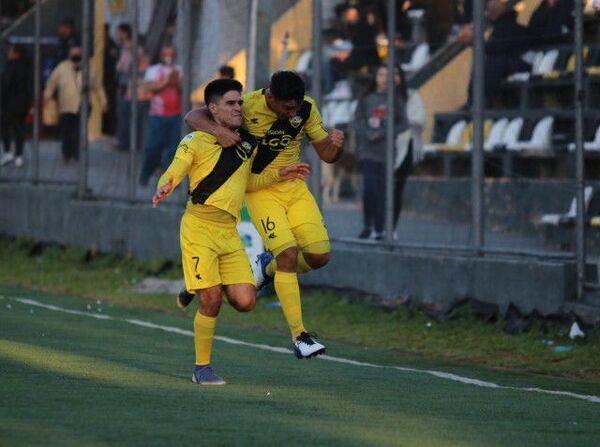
218,176
280,140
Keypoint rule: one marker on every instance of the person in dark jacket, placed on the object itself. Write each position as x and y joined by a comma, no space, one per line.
362,34
16,97
67,38
503,49
552,22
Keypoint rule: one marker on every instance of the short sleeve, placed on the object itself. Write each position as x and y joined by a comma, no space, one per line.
151,74
314,125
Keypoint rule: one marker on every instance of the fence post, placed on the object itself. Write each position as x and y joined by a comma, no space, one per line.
316,90
478,106
390,116
83,110
133,111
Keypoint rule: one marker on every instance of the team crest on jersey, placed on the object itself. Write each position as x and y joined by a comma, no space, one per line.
296,121
244,149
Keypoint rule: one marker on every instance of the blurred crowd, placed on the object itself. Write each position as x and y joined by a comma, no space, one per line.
157,88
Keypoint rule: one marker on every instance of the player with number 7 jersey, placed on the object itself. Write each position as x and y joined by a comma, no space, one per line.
285,214
213,257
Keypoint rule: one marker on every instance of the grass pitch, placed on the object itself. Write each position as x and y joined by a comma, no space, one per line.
68,379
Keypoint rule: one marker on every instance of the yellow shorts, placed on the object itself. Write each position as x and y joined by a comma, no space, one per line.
212,253
286,215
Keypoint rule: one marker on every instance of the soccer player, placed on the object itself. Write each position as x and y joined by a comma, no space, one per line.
285,214
213,255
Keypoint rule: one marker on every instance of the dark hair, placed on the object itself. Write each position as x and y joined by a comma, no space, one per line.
402,90
125,28
287,85
227,71
217,88
68,21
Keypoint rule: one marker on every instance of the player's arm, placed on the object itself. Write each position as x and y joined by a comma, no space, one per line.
177,170
331,147
267,178
200,119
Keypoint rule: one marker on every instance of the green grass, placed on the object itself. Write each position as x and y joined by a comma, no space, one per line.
69,379
74,380
334,316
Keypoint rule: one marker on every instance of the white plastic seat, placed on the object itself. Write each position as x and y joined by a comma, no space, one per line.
418,58
303,63
452,137
593,145
512,132
556,219
541,137
546,63
496,134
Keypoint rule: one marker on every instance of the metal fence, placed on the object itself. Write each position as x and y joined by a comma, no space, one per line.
480,219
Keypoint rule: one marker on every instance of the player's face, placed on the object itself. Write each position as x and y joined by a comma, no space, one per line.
228,110
283,108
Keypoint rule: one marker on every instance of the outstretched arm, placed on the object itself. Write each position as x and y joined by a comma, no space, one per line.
259,181
200,119
331,147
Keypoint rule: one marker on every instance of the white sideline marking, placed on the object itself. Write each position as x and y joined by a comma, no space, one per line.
233,341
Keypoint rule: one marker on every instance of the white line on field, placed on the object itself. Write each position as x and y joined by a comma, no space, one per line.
233,341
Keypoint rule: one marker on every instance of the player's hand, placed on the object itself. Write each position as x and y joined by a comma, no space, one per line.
297,170
162,193
227,137
337,138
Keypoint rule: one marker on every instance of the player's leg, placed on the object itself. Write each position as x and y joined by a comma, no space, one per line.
270,219
201,273
204,331
237,276
308,227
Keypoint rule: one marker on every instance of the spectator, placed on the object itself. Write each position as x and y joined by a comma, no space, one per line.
163,80
16,87
503,49
123,37
552,22
226,72
362,35
111,56
67,38
371,123
409,143
67,80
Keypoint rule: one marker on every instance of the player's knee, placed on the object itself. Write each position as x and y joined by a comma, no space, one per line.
245,304
287,260
316,261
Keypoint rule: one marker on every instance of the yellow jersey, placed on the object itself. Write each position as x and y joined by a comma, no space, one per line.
280,140
218,176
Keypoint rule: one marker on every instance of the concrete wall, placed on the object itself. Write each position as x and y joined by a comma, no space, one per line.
53,214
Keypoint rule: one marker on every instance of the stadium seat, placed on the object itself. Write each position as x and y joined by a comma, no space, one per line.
453,138
561,219
303,64
542,63
512,132
541,138
419,57
487,128
593,145
496,134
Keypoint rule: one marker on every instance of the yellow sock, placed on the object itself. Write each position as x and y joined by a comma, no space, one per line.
204,330
271,267
288,292
302,266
